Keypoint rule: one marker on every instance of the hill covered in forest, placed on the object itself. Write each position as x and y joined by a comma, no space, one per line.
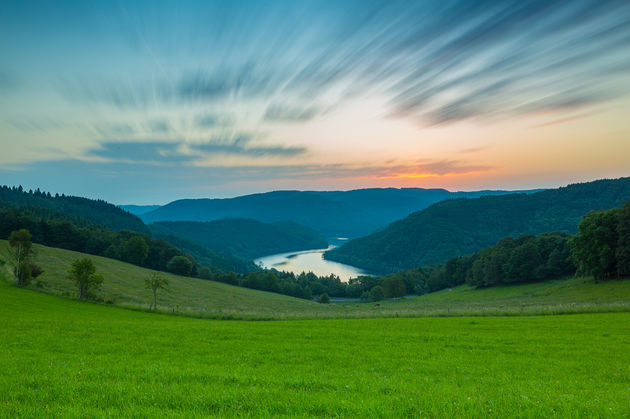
77,209
244,237
462,226
333,214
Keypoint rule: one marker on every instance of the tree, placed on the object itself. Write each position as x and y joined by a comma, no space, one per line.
83,273
136,250
20,241
324,299
155,282
376,293
393,286
593,248
623,240
179,265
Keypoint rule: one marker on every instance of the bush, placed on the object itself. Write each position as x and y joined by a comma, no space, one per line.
324,299
179,265
376,293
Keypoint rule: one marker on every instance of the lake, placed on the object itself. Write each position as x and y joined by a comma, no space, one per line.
309,260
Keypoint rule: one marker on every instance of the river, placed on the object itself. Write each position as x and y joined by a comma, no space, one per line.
309,260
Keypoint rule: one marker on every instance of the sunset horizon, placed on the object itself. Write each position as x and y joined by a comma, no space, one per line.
148,103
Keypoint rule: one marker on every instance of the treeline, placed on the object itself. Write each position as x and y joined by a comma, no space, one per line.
125,245
308,285
602,246
95,211
527,258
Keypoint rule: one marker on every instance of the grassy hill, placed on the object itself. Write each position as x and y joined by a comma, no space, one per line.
459,227
65,358
124,286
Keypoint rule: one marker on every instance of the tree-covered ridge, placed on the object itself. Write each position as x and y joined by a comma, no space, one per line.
95,211
331,213
244,237
463,226
209,257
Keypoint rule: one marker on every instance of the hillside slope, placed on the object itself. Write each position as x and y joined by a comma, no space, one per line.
330,213
244,237
124,286
97,212
463,226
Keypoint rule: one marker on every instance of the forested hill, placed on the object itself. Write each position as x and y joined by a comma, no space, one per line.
463,226
331,213
244,237
98,212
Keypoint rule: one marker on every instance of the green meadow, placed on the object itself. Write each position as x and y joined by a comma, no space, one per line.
61,357
124,286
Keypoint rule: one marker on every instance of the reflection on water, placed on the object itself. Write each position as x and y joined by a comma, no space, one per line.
309,260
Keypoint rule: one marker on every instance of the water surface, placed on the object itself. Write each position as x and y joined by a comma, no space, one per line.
309,260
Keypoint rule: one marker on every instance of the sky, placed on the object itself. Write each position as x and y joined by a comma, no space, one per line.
147,102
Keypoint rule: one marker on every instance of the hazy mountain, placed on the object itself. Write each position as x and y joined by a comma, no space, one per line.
139,209
463,226
244,237
331,213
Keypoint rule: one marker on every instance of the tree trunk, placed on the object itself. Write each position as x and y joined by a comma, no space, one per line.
17,269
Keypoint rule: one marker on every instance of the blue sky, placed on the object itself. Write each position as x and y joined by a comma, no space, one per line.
146,102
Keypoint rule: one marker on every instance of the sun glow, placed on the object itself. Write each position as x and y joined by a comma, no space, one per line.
410,175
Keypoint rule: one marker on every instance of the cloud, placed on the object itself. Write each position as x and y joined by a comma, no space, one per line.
159,126
241,145
430,168
435,62
283,113
206,121
181,152
30,124
113,129
147,152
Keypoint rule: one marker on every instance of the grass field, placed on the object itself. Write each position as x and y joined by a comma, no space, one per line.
61,357
124,286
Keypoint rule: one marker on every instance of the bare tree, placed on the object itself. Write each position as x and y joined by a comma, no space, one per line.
20,241
154,282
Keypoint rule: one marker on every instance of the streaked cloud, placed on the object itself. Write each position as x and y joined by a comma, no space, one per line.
284,113
242,145
148,152
305,90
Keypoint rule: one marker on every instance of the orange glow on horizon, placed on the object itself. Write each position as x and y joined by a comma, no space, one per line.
411,175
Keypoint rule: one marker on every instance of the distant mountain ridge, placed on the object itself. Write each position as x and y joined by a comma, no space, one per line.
138,209
462,226
245,238
331,213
